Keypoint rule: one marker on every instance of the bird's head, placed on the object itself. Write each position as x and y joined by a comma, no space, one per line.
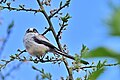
31,30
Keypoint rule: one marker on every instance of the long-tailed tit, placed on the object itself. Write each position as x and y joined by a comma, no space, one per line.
38,45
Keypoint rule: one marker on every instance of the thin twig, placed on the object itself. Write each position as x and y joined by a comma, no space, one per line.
3,44
96,66
68,69
3,77
46,31
13,69
12,59
37,60
20,9
61,28
21,52
66,4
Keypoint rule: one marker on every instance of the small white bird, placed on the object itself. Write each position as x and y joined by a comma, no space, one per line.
38,45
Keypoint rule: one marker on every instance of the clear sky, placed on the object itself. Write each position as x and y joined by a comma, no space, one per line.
86,26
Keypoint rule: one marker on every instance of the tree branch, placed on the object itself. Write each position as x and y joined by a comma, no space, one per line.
17,56
115,64
54,34
20,9
50,24
60,31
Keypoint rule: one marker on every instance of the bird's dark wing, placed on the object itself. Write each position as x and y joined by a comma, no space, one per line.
44,42
43,36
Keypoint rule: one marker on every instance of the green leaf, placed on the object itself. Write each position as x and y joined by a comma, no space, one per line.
84,50
84,62
66,18
78,79
1,8
100,64
46,76
97,71
33,67
79,60
96,74
60,4
103,52
43,74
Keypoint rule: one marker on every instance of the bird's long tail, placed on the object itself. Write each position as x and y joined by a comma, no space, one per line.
69,56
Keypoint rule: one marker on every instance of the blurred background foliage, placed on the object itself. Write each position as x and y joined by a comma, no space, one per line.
113,25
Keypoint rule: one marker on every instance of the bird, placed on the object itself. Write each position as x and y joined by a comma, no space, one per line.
38,45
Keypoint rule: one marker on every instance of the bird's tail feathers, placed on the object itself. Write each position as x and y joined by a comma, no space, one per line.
69,56
64,54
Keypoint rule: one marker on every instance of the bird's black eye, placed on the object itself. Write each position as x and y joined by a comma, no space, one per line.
31,30
28,31
34,30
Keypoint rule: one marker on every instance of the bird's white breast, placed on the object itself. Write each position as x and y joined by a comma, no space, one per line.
32,47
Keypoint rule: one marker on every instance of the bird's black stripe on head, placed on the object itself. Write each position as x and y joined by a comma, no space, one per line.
43,42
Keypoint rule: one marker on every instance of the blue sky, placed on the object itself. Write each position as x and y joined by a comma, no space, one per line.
85,27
